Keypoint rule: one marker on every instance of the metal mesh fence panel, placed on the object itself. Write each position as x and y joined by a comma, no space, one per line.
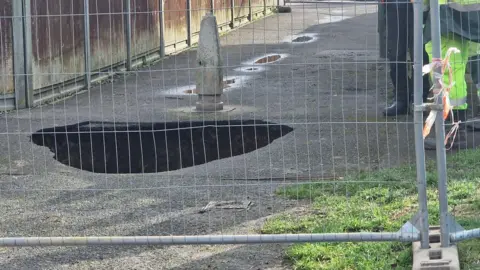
109,146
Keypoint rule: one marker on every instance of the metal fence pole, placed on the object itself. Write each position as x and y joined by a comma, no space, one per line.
250,10
209,239
439,128
162,28
27,37
212,5
418,119
128,33
232,17
21,61
189,22
86,34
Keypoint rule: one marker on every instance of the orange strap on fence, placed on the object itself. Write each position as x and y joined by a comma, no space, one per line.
444,92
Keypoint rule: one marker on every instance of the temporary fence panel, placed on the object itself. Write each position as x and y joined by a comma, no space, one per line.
448,56
300,152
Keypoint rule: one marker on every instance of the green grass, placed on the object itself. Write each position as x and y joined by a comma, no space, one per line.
374,202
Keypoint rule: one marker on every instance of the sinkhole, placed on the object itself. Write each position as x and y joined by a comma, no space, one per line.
129,148
268,59
226,84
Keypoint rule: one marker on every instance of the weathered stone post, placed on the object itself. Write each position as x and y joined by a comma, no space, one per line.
209,76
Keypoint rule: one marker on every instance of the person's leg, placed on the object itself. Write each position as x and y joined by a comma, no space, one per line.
426,60
426,80
474,64
397,45
458,93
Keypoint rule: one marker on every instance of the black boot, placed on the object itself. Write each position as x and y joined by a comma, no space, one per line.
460,141
401,105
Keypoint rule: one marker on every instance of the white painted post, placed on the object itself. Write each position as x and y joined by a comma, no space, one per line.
209,74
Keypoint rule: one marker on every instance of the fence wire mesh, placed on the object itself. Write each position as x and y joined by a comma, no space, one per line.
106,147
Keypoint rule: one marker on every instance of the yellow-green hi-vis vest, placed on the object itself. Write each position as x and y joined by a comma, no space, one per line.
464,5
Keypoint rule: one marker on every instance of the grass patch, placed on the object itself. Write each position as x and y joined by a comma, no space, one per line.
374,202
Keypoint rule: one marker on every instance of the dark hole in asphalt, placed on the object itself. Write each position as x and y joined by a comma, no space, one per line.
302,39
252,69
268,59
226,84
127,148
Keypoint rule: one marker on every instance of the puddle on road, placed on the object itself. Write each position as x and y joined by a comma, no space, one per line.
301,38
250,69
269,59
229,83
265,60
127,148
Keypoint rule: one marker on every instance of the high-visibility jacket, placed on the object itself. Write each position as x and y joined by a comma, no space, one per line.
461,17
460,28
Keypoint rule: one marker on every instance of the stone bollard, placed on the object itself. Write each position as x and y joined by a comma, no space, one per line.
209,76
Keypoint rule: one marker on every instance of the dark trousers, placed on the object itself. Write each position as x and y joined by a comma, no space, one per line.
399,20
474,65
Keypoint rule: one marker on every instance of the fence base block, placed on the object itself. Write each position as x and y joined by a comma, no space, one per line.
435,257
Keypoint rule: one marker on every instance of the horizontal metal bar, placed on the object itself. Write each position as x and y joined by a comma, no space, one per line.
465,235
208,239
428,107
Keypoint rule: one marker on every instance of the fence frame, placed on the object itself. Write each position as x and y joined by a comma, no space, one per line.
407,233
450,231
423,223
415,230
411,231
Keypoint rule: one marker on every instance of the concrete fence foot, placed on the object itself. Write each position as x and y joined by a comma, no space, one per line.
436,257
